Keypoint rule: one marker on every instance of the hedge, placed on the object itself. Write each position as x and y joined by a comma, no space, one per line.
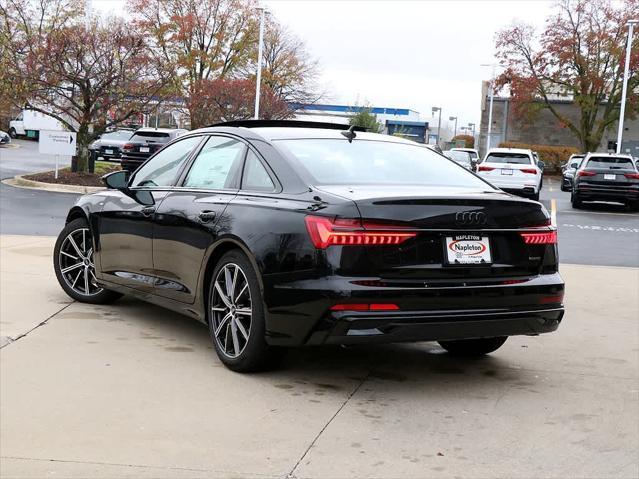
552,156
469,141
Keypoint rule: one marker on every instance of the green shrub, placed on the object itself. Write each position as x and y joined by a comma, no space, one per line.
552,156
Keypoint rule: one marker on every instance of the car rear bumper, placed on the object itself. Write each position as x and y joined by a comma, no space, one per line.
518,186
594,193
299,313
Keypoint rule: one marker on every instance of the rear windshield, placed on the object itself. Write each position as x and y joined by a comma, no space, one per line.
458,156
509,158
366,162
155,136
117,135
611,163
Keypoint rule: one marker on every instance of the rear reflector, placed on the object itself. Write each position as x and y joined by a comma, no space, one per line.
365,307
586,173
325,232
530,171
632,176
128,146
485,168
546,237
557,298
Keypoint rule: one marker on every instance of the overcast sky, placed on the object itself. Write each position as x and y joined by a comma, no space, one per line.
401,54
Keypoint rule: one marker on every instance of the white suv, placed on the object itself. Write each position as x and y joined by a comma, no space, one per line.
513,170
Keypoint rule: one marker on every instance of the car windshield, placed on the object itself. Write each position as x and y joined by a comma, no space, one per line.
151,136
610,162
509,158
458,156
117,135
365,162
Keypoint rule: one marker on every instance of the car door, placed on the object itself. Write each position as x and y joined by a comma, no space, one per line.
192,216
124,229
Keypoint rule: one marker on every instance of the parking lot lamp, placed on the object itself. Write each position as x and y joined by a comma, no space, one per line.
451,118
472,125
622,109
258,80
439,122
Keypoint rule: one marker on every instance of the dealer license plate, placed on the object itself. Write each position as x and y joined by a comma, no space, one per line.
108,152
507,171
468,249
144,149
610,177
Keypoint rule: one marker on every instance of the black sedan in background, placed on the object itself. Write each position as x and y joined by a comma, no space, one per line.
144,143
606,177
281,234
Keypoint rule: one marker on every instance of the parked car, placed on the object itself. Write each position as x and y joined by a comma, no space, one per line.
474,154
5,139
606,177
143,143
109,145
513,170
29,123
569,170
462,158
280,234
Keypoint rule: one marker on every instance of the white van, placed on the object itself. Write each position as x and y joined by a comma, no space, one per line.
29,123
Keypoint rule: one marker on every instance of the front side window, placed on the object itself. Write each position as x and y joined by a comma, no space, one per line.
255,177
162,169
338,162
216,165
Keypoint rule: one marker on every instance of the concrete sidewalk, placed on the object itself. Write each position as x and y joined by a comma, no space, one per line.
131,390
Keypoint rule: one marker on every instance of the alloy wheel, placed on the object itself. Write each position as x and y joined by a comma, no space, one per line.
76,263
231,310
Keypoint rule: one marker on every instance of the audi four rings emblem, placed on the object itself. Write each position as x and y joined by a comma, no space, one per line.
471,218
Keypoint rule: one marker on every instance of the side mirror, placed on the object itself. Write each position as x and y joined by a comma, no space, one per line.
541,164
473,163
118,180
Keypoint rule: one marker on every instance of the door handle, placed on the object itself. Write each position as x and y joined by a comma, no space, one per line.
148,211
206,216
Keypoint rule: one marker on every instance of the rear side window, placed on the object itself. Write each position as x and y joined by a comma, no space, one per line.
610,162
217,164
508,158
366,162
255,177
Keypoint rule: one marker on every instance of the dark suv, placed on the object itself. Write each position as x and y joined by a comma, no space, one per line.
144,143
606,177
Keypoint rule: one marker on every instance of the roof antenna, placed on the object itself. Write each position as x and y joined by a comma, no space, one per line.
350,133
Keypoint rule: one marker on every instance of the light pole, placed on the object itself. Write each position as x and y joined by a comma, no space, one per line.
622,110
258,80
490,110
451,118
439,122
472,125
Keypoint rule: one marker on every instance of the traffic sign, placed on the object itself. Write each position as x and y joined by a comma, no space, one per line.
61,143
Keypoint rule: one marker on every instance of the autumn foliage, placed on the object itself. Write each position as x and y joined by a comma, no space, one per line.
469,141
579,57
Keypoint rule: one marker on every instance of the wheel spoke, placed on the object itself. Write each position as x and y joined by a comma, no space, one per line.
230,281
75,245
71,268
241,328
244,311
239,295
84,244
223,297
223,321
86,281
69,255
236,343
219,309
76,279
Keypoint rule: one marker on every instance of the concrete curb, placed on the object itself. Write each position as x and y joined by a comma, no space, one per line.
21,182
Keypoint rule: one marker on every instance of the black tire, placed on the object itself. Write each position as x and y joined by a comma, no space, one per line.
575,201
564,188
66,261
473,347
13,134
535,197
243,354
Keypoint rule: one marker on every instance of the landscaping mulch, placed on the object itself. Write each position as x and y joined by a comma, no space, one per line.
67,177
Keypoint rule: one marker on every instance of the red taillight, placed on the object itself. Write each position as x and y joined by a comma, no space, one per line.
546,237
556,298
128,146
586,173
632,176
485,168
530,171
365,307
325,232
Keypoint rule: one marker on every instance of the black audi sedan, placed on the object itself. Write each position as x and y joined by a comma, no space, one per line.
282,234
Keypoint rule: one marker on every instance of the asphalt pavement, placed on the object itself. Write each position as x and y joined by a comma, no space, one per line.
599,234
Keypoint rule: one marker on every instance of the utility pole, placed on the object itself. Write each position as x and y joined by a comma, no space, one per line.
439,122
490,110
472,125
622,110
258,80
451,118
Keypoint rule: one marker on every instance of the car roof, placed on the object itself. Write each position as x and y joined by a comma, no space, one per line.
464,149
523,151
159,130
609,155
